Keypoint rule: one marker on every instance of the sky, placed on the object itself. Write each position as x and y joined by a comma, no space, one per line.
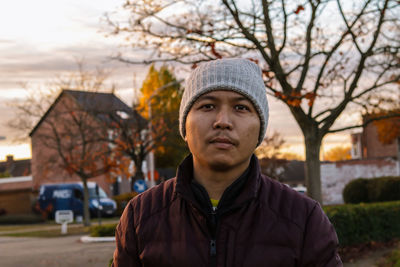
42,39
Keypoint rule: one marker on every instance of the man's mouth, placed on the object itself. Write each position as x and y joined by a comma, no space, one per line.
222,142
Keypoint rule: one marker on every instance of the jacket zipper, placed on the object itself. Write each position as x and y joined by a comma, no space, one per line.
213,243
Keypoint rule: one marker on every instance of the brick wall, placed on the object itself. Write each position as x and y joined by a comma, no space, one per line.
335,175
17,201
373,148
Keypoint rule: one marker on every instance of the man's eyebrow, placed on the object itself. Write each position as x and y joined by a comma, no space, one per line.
240,98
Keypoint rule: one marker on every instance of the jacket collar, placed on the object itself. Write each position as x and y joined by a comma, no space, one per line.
233,196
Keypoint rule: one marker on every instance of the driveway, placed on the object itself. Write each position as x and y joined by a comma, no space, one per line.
57,252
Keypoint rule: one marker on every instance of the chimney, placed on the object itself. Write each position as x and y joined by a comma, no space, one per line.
10,161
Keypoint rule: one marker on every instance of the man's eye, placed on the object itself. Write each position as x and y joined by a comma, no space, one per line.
241,107
207,106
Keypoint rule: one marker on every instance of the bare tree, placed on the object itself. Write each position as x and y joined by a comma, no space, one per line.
318,57
68,134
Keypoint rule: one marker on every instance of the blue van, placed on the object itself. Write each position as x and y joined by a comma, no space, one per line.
53,197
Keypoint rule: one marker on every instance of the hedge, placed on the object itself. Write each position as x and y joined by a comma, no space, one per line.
103,230
354,223
21,219
363,223
379,189
122,200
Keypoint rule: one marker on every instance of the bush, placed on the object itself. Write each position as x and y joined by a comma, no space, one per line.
372,190
362,223
103,230
21,219
122,200
356,191
384,189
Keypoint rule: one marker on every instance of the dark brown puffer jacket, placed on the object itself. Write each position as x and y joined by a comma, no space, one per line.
261,222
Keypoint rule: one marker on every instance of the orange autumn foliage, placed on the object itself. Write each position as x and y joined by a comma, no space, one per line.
388,129
338,153
294,99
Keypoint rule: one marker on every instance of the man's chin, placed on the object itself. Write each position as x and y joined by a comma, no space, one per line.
220,166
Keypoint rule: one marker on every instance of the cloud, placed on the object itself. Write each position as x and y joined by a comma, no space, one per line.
6,41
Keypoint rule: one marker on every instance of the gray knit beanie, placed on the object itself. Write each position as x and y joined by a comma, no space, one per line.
237,75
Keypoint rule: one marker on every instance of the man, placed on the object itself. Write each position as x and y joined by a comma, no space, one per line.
220,210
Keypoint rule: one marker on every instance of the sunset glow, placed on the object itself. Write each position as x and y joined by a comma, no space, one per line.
43,39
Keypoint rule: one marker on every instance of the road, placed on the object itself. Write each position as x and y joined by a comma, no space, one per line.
69,251
55,252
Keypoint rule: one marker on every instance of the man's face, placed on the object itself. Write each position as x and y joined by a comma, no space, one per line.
222,130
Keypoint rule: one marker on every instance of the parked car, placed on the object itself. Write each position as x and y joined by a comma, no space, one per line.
53,197
300,189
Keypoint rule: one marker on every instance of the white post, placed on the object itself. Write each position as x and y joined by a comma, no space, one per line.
64,217
64,228
151,154
151,169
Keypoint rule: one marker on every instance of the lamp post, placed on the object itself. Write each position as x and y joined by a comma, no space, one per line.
151,153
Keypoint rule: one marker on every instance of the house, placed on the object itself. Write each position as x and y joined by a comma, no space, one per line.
16,190
72,130
370,158
366,145
16,196
14,168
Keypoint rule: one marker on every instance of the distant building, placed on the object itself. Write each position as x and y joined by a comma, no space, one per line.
14,168
16,195
370,158
366,145
16,190
47,162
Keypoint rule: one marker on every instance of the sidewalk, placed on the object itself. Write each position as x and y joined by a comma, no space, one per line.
55,252
371,258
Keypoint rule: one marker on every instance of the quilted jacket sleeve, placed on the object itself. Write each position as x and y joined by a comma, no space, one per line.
126,252
320,241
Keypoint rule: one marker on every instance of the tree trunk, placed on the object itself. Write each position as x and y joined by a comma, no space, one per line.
398,156
313,168
86,214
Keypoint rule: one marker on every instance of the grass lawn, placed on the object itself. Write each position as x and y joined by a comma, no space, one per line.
81,230
50,228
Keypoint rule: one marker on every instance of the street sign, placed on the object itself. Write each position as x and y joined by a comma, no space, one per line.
140,186
64,217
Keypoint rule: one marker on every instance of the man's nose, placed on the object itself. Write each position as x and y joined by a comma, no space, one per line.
223,119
